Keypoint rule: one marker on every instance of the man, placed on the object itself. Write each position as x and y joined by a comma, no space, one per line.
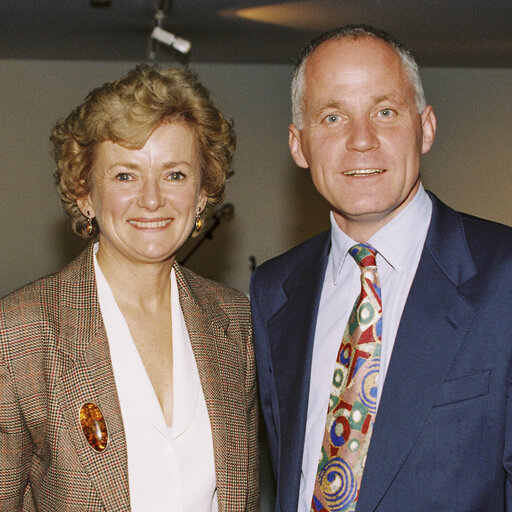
406,409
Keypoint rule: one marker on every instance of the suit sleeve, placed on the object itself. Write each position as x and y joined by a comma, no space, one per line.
261,347
15,446
507,455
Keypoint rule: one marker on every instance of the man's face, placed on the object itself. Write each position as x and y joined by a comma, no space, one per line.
362,136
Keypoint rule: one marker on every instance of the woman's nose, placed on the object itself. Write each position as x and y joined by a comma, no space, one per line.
151,196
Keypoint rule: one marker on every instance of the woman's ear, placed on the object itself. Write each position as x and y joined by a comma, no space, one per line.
85,206
203,198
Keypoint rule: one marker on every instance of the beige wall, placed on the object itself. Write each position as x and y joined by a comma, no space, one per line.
275,205
470,165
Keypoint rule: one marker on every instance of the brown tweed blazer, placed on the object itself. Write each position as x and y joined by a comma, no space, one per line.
54,357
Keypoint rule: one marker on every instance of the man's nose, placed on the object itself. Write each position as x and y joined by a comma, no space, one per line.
362,136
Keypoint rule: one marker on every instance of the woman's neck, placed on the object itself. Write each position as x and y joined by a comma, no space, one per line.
139,284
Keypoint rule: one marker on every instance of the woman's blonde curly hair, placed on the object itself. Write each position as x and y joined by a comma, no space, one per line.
126,112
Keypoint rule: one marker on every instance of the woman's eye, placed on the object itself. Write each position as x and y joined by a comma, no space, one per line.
176,175
123,176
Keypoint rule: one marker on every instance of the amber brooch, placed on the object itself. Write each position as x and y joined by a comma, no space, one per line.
94,426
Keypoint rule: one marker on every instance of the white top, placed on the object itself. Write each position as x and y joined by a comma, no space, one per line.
169,468
397,268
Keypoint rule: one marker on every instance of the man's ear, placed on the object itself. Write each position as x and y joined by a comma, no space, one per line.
294,141
428,125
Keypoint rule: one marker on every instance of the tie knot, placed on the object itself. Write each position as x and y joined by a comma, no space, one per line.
364,255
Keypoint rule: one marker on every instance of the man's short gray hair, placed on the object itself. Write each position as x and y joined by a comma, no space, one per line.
352,32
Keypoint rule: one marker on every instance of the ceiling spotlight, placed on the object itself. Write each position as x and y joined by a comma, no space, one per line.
164,37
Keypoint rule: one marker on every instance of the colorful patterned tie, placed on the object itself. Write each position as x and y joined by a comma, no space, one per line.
353,400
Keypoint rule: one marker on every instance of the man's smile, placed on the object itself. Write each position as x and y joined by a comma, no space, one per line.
363,172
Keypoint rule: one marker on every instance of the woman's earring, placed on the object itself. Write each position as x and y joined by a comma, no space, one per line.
199,222
88,228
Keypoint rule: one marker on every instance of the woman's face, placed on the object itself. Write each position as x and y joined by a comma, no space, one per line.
145,200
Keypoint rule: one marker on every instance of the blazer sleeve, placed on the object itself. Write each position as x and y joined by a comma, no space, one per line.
15,446
252,423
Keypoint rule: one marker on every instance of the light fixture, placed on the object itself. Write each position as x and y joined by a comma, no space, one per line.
178,43
162,36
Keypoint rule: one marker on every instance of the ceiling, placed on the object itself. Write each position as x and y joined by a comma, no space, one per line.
461,33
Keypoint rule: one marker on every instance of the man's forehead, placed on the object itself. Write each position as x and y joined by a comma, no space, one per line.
347,51
365,62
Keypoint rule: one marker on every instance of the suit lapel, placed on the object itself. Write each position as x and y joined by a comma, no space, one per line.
291,335
218,371
434,322
88,377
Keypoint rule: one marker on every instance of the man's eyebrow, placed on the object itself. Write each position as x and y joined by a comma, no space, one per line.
393,96
327,105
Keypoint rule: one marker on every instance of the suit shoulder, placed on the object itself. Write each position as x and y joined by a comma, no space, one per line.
26,315
218,291
278,268
41,297
26,303
487,243
217,302
487,239
477,231
487,230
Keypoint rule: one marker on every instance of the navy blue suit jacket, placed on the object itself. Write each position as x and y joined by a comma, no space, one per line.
442,440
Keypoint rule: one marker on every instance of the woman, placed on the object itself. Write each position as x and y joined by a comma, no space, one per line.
126,381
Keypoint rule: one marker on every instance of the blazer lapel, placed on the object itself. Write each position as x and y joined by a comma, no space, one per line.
88,377
434,322
217,365
291,335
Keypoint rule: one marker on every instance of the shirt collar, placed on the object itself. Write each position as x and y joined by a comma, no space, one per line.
407,229
340,244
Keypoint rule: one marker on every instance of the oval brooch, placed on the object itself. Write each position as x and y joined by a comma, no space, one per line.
94,426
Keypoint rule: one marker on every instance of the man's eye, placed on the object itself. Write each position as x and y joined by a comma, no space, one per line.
332,118
386,112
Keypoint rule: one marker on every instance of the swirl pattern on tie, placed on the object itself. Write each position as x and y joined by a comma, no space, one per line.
353,399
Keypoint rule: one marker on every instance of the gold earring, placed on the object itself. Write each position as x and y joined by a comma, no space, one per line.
88,227
198,224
